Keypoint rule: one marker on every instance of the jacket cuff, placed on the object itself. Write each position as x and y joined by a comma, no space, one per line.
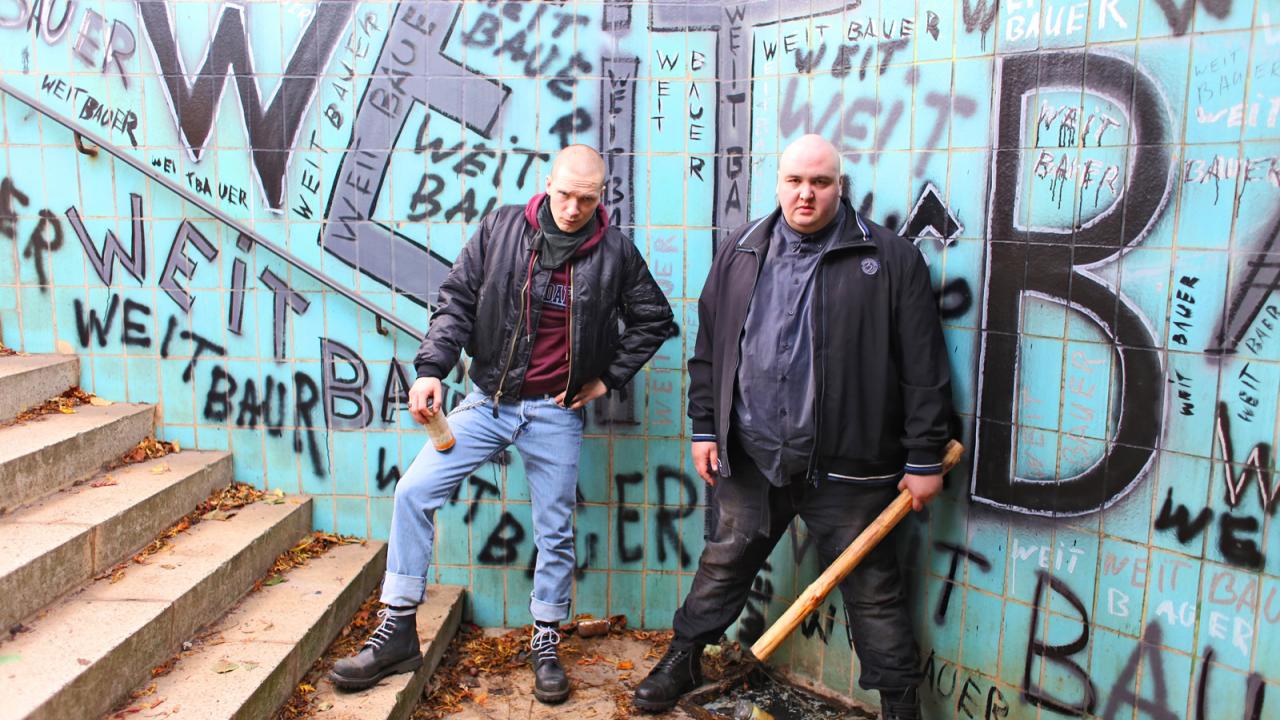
704,430
428,370
923,462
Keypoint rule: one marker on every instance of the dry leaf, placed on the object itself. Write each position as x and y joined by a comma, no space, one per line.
104,482
218,515
225,666
83,661
626,665
161,469
99,402
249,665
174,443
66,410
324,706
273,581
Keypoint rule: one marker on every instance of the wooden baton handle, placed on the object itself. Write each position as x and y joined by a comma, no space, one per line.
818,590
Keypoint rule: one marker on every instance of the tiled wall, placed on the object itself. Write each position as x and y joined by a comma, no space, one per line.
1095,184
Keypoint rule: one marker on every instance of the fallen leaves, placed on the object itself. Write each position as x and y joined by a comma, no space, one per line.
225,666
313,545
66,404
107,481
232,497
6,351
148,449
96,401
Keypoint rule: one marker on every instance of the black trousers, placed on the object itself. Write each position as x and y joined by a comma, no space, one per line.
753,515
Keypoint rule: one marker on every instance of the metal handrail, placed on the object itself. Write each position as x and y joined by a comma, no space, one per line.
208,207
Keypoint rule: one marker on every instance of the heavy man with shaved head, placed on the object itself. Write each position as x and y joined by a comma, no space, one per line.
818,387
535,298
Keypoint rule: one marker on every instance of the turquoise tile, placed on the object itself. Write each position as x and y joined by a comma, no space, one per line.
591,593
247,457
626,595
352,514
350,467
212,437
487,597
1122,575
1228,603
593,470
519,588
323,514
661,599
980,637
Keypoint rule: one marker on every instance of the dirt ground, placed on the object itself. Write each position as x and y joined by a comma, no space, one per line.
484,676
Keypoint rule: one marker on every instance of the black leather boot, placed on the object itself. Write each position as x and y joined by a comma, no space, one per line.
900,704
550,683
678,672
393,648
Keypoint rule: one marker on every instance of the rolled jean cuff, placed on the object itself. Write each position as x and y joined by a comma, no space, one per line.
546,612
403,590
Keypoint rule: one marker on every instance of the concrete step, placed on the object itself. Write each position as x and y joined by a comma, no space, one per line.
65,539
248,662
53,451
82,656
395,697
27,380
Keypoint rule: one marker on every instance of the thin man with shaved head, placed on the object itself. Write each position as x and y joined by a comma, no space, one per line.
818,387
534,298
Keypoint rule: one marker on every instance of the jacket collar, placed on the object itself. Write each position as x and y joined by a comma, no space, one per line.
853,234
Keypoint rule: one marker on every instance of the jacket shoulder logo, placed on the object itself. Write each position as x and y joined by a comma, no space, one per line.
870,266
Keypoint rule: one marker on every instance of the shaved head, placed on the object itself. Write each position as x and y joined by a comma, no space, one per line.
812,148
579,160
809,183
575,186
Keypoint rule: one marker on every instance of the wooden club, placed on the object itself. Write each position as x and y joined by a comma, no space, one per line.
818,590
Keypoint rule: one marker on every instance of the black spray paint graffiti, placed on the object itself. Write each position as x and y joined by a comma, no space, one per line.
89,45
45,237
503,541
1073,691
273,131
1059,255
1234,529
942,677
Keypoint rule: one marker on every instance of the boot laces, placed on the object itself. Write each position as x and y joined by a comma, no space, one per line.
544,642
671,660
385,630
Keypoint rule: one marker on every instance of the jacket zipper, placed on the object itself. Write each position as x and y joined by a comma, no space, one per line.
515,338
820,350
569,356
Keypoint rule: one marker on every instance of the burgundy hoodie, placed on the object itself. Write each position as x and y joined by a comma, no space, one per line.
549,360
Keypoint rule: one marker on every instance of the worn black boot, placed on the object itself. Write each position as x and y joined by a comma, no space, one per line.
900,704
678,672
550,684
393,648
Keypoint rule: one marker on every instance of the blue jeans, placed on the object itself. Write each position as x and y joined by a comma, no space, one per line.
549,438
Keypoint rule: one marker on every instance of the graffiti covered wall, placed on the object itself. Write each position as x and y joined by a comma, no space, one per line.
1095,184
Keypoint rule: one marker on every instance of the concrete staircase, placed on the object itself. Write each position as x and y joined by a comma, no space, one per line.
79,630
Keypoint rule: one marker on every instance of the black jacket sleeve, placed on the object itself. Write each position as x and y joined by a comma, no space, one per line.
702,408
923,368
646,316
455,308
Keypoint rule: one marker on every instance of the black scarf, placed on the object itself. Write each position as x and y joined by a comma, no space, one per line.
555,246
